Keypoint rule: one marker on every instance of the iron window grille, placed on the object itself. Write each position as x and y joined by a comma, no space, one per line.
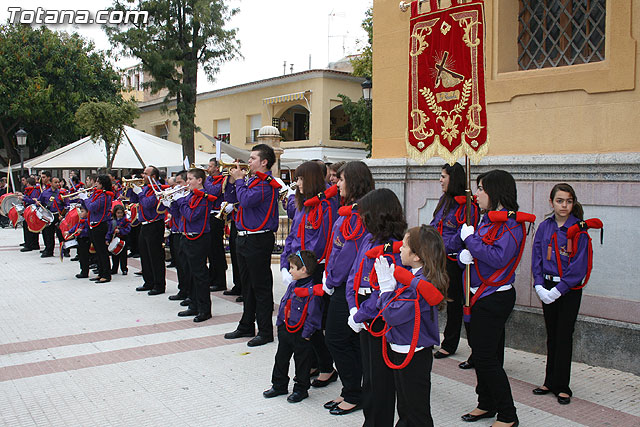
557,33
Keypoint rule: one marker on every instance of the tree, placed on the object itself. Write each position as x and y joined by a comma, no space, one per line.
363,63
180,35
44,77
106,121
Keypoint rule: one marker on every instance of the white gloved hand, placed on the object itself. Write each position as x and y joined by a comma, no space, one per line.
353,311
287,278
384,271
465,257
466,231
179,195
166,202
290,192
137,189
83,196
357,327
229,208
547,297
327,290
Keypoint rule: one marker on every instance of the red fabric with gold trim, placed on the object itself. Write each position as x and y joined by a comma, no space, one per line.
447,106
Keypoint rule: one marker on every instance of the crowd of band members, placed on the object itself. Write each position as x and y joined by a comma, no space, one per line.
356,279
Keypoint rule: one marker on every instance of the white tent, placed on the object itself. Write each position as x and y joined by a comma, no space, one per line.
136,150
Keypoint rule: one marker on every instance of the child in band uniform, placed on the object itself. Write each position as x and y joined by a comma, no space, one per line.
119,227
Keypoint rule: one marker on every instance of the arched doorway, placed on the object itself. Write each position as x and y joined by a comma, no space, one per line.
294,124
339,124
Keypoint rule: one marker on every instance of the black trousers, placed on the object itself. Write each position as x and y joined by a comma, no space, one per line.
98,235
134,237
413,388
344,345
121,258
83,254
172,247
152,255
31,240
488,317
237,277
49,233
195,255
560,320
378,384
323,359
216,255
292,344
254,259
454,308
182,266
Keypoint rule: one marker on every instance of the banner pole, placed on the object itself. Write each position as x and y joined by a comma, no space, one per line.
467,281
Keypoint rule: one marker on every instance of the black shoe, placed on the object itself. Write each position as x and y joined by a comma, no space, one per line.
297,396
143,288
217,288
440,355
26,250
273,392
95,279
238,334
186,302
138,273
46,255
240,299
259,340
564,400
124,272
330,404
75,258
541,391
202,317
188,312
82,276
177,297
467,364
155,292
103,280
323,383
231,292
42,251
339,411
314,373
473,418
114,272
22,244
171,265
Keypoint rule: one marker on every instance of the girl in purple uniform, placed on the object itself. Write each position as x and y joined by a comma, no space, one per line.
559,268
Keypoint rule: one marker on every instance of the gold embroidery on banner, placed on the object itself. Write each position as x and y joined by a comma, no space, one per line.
449,127
421,37
468,25
419,130
444,28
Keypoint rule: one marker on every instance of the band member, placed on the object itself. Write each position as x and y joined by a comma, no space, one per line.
333,172
30,195
299,317
257,221
216,254
179,257
410,298
448,217
494,249
99,207
194,208
354,181
560,265
119,227
80,232
50,199
384,221
151,234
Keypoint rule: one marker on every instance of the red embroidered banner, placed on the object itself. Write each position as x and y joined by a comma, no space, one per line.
447,107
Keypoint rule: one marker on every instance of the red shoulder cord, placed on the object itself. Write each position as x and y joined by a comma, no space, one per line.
150,192
414,337
315,216
287,310
348,232
95,197
194,202
266,218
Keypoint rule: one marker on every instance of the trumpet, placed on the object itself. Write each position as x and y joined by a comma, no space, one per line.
284,190
130,183
226,167
166,194
223,215
75,193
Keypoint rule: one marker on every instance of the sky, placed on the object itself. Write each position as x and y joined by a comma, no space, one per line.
270,32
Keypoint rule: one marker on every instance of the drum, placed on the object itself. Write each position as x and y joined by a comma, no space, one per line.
116,245
7,201
92,249
132,215
37,218
70,244
71,219
14,216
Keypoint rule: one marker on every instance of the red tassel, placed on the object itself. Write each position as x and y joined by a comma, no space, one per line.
503,216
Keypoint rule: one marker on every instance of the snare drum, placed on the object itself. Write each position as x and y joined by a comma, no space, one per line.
14,216
33,216
116,245
70,244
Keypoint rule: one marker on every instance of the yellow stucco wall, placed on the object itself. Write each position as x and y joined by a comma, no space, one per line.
591,108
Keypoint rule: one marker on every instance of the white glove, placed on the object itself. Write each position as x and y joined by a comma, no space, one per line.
328,291
547,297
466,231
167,202
384,271
353,311
83,196
357,327
290,192
287,278
229,208
465,256
137,189
179,195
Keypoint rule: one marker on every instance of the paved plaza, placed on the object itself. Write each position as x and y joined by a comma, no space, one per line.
74,353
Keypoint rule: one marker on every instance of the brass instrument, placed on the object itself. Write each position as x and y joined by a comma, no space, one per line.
226,167
165,194
130,183
223,215
284,190
75,193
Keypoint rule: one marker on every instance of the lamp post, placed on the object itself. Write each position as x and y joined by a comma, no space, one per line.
366,91
21,137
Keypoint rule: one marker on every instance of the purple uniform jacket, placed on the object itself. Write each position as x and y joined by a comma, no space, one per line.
123,225
314,239
56,205
343,253
400,315
313,322
193,212
450,228
31,194
214,190
148,205
99,207
133,197
573,269
256,205
290,206
491,258
368,309
83,226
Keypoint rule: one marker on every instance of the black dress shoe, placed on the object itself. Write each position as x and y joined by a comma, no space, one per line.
323,383
124,272
138,273
467,364
82,276
330,404
143,288
541,391
95,279
440,355
188,312
273,392
564,400
231,292
217,288
202,317
238,334
22,244
473,418
259,340
103,280
75,258
26,250
240,299
46,255
297,396
339,411
155,292
186,302
177,297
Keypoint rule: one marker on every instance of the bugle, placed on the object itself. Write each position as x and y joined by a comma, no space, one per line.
226,167
130,183
75,193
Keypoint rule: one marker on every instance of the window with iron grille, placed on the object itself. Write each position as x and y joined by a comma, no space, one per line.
557,33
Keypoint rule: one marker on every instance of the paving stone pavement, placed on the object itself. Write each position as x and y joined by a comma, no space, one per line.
74,353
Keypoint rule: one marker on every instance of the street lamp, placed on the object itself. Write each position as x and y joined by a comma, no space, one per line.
366,91
21,136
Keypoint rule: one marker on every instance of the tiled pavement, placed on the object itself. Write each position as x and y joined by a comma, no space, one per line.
80,354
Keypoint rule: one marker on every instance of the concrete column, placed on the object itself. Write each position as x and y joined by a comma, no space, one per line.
271,136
